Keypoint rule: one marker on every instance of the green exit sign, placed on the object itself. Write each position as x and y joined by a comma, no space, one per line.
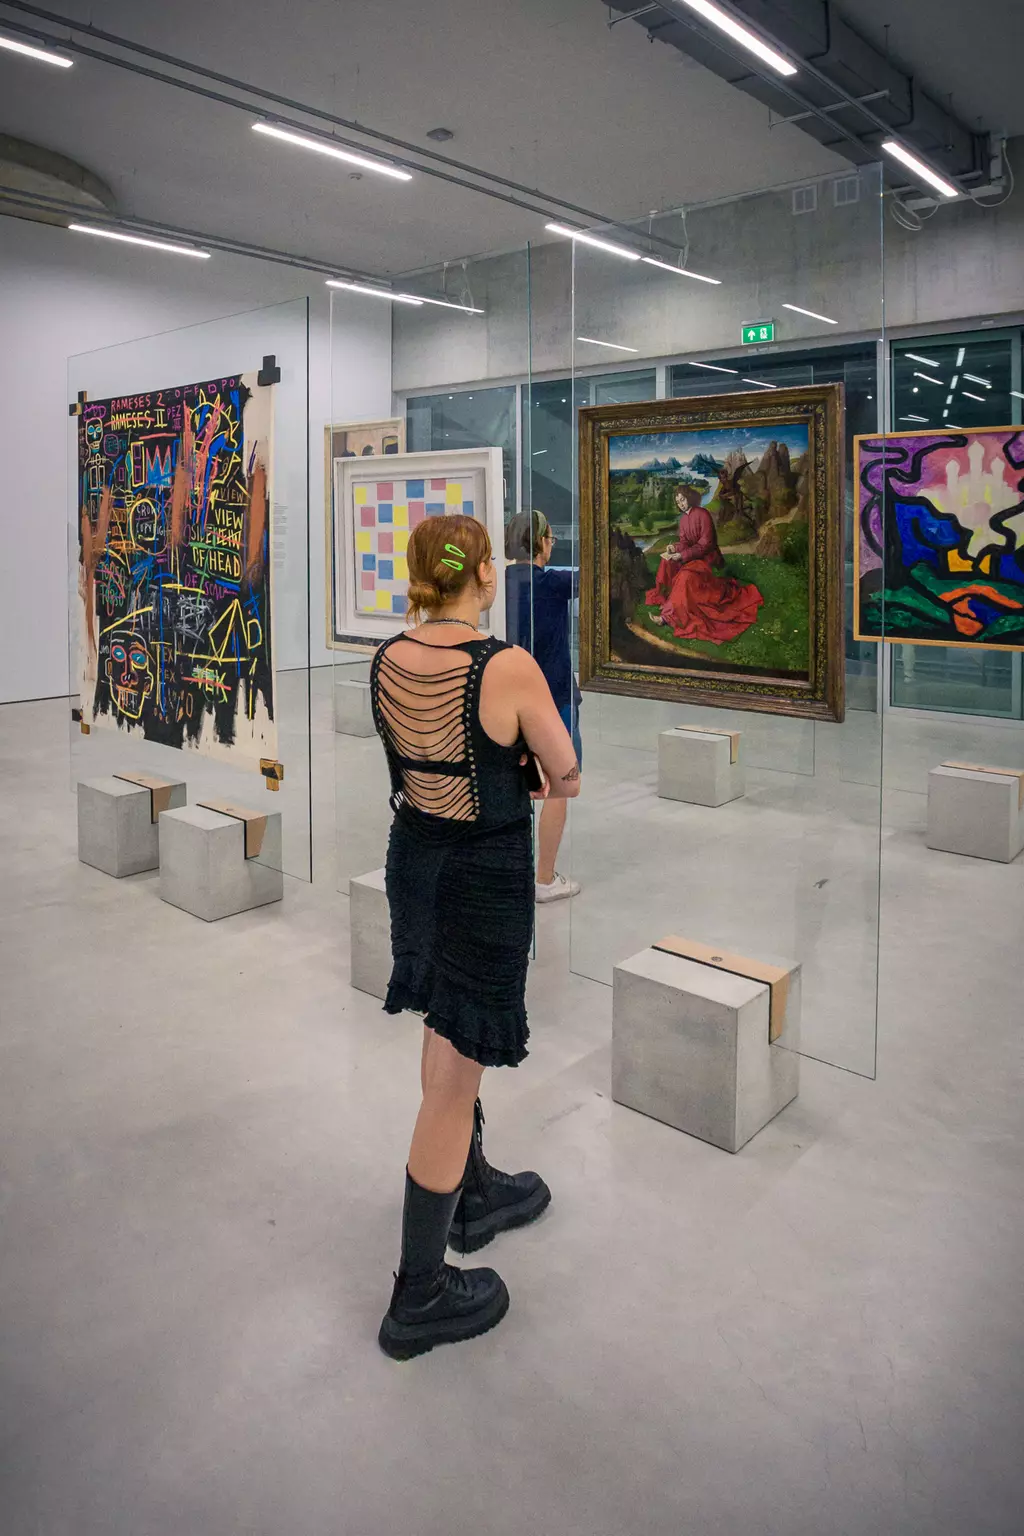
760,330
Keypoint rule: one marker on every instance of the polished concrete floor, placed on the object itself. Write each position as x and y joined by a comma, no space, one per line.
202,1132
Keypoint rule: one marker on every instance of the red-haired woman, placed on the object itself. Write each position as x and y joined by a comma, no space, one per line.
459,714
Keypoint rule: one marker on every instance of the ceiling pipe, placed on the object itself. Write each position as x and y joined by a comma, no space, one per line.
854,96
428,162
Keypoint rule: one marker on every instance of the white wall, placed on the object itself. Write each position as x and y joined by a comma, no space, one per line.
63,294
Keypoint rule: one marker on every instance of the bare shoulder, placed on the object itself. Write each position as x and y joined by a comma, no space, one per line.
516,667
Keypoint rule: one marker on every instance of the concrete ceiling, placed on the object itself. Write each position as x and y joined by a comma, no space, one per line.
967,50
537,90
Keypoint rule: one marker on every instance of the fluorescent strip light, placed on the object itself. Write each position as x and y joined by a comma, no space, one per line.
154,245
976,380
945,414
747,39
955,380
599,245
1016,394
374,293
760,383
810,313
915,357
927,377
464,309
914,418
960,357
41,54
680,271
925,172
714,368
973,397
615,346
321,147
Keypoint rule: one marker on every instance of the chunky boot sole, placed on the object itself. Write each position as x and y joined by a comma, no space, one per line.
404,1341
471,1236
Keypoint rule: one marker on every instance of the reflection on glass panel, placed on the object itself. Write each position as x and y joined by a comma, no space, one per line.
857,369
473,418
549,435
967,380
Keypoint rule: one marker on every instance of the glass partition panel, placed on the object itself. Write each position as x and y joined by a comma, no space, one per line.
447,443
188,564
717,554
973,380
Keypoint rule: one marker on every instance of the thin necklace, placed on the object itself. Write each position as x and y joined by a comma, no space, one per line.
466,622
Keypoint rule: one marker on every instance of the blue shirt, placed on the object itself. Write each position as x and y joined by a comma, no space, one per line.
537,605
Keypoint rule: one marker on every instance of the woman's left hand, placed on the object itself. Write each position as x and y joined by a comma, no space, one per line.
545,789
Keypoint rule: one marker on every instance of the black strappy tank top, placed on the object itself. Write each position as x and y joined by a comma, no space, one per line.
449,779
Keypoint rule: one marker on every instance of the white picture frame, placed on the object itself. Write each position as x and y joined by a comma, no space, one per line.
362,548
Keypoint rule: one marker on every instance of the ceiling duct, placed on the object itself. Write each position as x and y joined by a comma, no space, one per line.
847,95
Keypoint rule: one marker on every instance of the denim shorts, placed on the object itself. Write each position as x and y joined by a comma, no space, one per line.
571,720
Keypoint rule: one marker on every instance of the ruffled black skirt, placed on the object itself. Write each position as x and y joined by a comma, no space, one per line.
461,932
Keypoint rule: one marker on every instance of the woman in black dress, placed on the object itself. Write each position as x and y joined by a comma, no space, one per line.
459,712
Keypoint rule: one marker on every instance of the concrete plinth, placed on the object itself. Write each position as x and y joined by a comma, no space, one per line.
116,830
353,715
203,867
976,812
697,766
690,1047
370,933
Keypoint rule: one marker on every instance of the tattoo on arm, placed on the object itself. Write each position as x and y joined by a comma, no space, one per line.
572,775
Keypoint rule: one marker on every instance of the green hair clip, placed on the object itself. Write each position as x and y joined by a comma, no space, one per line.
455,565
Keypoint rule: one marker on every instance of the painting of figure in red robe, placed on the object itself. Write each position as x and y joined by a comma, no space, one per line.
711,550
714,527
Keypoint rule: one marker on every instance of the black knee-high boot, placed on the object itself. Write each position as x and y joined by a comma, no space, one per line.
433,1302
492,1201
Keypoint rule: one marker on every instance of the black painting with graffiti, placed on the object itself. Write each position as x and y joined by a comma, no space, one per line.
174,505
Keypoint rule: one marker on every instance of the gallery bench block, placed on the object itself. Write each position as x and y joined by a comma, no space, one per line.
690,1047
353,714
976,811
703,767
370,934
116,829
203,867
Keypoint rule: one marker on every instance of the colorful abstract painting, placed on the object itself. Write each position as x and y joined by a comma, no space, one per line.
940,541
710,539
174,567
385,513
377,506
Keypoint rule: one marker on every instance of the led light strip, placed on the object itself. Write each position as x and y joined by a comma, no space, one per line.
598,245
931,178
742,35
41,55
322,147
812,314
615,346
680,271
373,293
153,245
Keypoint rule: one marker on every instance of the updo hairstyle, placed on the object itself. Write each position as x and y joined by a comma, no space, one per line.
444,555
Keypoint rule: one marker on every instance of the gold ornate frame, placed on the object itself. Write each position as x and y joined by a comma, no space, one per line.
822,696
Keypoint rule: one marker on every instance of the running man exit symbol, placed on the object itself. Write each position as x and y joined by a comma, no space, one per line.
758,331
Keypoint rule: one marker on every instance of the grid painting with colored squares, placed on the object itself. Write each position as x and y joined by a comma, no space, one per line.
385,512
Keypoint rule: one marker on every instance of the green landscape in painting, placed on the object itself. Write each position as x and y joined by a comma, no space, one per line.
753,484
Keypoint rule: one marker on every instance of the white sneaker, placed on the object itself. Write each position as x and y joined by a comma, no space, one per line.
559,889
